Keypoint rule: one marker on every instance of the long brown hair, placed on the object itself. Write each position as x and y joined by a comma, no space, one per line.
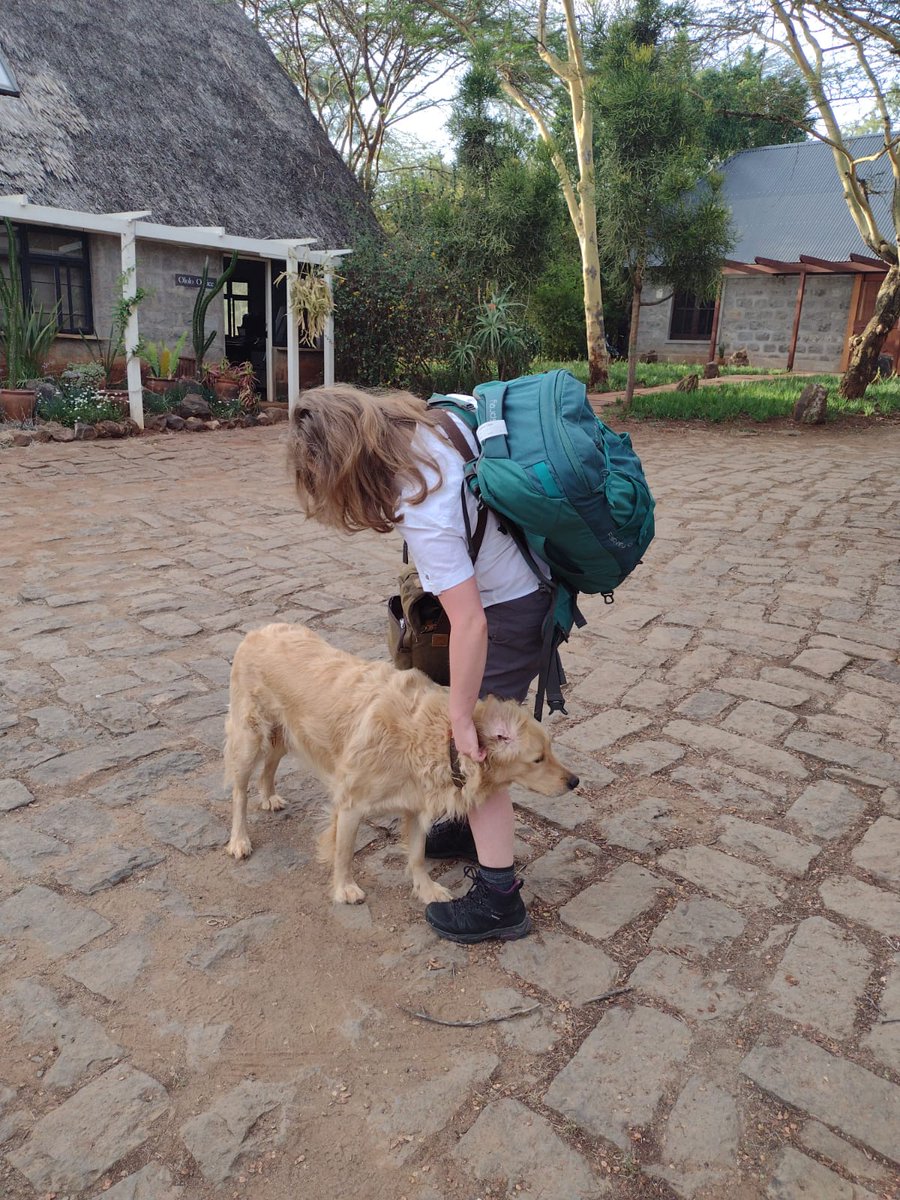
350,452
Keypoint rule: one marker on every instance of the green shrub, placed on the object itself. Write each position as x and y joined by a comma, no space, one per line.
79,401
556,310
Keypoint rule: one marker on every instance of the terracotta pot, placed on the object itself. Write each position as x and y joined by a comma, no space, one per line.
17,403
187,367
226,389
157,384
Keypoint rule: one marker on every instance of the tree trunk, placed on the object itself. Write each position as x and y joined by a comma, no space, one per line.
863,365
633,339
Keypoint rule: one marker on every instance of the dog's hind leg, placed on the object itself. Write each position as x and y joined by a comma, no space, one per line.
426,889
346,823
242,753
269,800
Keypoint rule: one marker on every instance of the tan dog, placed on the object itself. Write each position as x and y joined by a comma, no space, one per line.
377,737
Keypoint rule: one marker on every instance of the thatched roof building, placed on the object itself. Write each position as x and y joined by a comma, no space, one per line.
177,106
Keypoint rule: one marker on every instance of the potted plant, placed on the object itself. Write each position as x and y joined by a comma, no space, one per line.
26,335
162,362
233,381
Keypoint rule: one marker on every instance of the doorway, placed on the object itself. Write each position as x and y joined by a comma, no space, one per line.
245,317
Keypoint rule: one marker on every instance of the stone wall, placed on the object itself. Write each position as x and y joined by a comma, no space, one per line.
757,313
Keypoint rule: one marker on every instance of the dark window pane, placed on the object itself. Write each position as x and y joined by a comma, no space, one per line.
691,318
56,242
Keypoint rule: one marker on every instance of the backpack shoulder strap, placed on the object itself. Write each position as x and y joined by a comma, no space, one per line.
459,443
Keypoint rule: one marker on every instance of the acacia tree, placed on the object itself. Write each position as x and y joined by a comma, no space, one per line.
361,67
659,208
541,65
847,49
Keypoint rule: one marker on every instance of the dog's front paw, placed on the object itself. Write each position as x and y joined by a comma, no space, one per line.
239,847
349,893
431,891
273,803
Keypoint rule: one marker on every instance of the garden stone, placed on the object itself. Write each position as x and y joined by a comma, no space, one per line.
85,433
602,909
617,1078
22,437
821,977
74,1144
174,422
13,795
811,405
562,966
195,425
54,923
194,406
696,927
508,1142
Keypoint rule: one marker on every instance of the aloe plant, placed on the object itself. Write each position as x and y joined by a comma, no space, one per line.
26,332
162,359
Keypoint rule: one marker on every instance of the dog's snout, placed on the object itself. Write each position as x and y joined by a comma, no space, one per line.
573,782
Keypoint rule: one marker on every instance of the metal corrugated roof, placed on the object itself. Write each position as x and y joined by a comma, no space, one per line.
787,200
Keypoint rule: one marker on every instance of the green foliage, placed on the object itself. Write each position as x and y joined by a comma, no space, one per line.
205,297
755,101
556,309
162,359
499,344
79,400
106,354
26,332
763,401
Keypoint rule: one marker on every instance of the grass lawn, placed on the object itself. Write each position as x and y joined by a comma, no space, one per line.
648,374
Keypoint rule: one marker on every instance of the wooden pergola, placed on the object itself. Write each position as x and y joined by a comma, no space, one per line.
132,226
805,265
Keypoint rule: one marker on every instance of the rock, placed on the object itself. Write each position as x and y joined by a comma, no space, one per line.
74,1144
156,422
694,928
711,370
85,433
13,795
701,1141
740,358
213,425
194,406
173,421
112,429
6,439
811,405
649,356
264,419
153,1182
80,1044
820,979
22,437
195,425
562,966
689,383
54,923
232,1126
112,971
57,432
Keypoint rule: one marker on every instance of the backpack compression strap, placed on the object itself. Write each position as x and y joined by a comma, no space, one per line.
462,447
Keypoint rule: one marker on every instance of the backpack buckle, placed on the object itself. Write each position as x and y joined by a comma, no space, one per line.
608,597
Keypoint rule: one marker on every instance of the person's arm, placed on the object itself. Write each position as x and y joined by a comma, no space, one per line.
468,655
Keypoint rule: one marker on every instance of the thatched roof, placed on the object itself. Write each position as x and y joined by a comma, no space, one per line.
173,105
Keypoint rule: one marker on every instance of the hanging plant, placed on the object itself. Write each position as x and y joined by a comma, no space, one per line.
310,301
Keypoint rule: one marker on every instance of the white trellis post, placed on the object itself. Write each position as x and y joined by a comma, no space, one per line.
270,337
328,356
293,335
132,336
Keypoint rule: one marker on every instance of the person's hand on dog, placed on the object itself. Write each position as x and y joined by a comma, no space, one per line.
465,735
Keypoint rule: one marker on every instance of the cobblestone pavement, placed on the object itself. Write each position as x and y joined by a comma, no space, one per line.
713,989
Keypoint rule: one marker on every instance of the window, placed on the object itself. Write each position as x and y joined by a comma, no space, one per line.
8,85
237,305
692,319
55,274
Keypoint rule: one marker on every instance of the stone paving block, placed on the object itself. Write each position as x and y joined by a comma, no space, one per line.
871,906
878,852
780,850
56,924
734,881
189,829
429,1107
851,649
74,1144
650,757
853,732
759,689
724,788
822,1141
797,1177
535,1033
70,768
705,704
558,873
103,868
884,1037
756,719
561,965
641,828
606,685
566,811
153,1182
28,852
821,977
111,972
826,809
604,730
799,681
694,928
877,764
835,1091
699,1150
80,1045
742,750
615,1081
699,997
826,663
698,666
602,909
236,940
13,794
513,1144
148,778
233,1126
649,693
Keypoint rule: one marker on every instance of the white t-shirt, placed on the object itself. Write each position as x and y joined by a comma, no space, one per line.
436,534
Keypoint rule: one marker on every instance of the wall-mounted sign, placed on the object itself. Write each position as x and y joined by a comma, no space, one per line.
193,281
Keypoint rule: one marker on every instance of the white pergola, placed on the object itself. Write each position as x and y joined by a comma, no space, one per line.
132,226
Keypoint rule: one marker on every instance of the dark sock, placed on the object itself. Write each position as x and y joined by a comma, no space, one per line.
501,879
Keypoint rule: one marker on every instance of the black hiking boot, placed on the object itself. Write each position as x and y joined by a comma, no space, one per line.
483,913
451,839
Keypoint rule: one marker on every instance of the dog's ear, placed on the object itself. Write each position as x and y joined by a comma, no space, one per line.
499,724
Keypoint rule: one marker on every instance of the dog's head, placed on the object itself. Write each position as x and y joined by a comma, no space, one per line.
518,749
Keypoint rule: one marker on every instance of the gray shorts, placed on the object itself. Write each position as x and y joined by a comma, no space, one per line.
514,645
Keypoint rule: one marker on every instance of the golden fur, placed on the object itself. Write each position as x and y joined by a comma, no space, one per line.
377,737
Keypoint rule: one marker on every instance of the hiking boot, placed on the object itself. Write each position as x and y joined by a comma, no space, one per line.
483,913
451,839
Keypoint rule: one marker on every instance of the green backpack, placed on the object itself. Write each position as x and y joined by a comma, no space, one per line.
567,487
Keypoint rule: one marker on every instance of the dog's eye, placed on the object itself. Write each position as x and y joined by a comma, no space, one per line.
539,759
